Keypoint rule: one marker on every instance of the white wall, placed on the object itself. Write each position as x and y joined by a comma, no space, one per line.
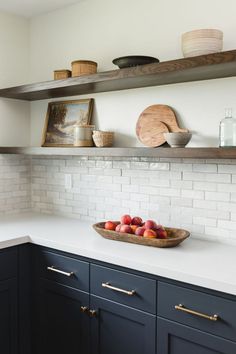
14,70
101,30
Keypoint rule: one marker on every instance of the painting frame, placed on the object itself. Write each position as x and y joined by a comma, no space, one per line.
61,112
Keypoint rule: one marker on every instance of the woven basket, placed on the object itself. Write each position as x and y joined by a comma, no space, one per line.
83,67
103,139
62,74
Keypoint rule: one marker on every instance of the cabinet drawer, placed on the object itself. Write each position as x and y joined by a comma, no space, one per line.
8,264
125,288
170,296
64,270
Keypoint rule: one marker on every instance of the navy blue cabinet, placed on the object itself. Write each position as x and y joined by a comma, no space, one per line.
8,317
61,327
81,306
117,329
174,338
8,302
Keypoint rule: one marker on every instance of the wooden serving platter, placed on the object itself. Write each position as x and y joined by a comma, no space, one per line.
153,122
175,237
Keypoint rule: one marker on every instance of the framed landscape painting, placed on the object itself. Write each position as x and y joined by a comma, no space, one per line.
61,118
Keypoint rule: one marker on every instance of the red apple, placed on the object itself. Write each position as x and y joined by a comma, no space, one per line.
158,226
149,233
126,229
110,225
162,234
137,221
140,231
134,228
150,224
126,219
118,228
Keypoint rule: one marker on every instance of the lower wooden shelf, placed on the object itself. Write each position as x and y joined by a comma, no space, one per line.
162,152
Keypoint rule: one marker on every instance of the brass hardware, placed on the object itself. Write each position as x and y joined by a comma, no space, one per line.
92,313
181,307
127,292
84,309
52,269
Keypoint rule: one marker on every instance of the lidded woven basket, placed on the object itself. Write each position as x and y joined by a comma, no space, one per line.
83,67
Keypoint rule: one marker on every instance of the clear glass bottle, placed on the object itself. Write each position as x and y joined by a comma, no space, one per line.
228,130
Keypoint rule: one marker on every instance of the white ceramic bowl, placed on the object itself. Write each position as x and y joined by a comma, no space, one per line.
201,42
177,139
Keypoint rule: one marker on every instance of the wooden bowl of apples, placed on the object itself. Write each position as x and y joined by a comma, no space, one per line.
147,233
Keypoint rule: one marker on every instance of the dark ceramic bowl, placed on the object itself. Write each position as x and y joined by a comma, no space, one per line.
134,60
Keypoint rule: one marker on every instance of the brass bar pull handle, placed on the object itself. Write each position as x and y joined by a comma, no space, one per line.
52,269
93,313
84,309
127,292
181,307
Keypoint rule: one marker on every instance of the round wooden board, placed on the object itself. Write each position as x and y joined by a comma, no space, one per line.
151,134
153,122
175,236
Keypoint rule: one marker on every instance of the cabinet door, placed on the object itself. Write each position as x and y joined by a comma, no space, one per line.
63,328
8,317
173,338
120,329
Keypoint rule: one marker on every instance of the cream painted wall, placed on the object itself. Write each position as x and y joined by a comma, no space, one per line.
14,70
101,30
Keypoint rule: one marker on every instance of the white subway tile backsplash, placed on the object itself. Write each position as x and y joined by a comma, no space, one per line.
204,168
186,202
223,206
227,225
205,204
149,190
159,166
160,199
125,165
140,165
15,174
172,192
139,197
217,196
199,220
112,172
121,180
226,168
181,184
159,182
193,194
181,167
198,195
205,186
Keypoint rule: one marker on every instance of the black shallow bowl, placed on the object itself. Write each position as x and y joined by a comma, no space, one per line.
134,60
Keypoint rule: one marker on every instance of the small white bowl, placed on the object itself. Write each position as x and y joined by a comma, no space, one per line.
178,139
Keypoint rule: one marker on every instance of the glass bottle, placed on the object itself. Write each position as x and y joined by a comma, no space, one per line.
228,130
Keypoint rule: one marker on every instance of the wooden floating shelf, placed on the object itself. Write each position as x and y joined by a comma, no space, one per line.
165,152
205,67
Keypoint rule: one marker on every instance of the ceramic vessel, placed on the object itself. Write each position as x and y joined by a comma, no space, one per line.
201,42
177,139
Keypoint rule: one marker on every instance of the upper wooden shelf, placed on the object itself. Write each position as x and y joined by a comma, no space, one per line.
205,67
162,152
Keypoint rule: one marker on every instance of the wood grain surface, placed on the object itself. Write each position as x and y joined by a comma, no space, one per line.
175,237
153,122
166,152
204,67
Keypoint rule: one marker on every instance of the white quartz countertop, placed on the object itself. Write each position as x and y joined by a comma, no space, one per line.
203,263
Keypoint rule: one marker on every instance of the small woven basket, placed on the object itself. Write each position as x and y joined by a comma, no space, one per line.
61,74
103,139
83,67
